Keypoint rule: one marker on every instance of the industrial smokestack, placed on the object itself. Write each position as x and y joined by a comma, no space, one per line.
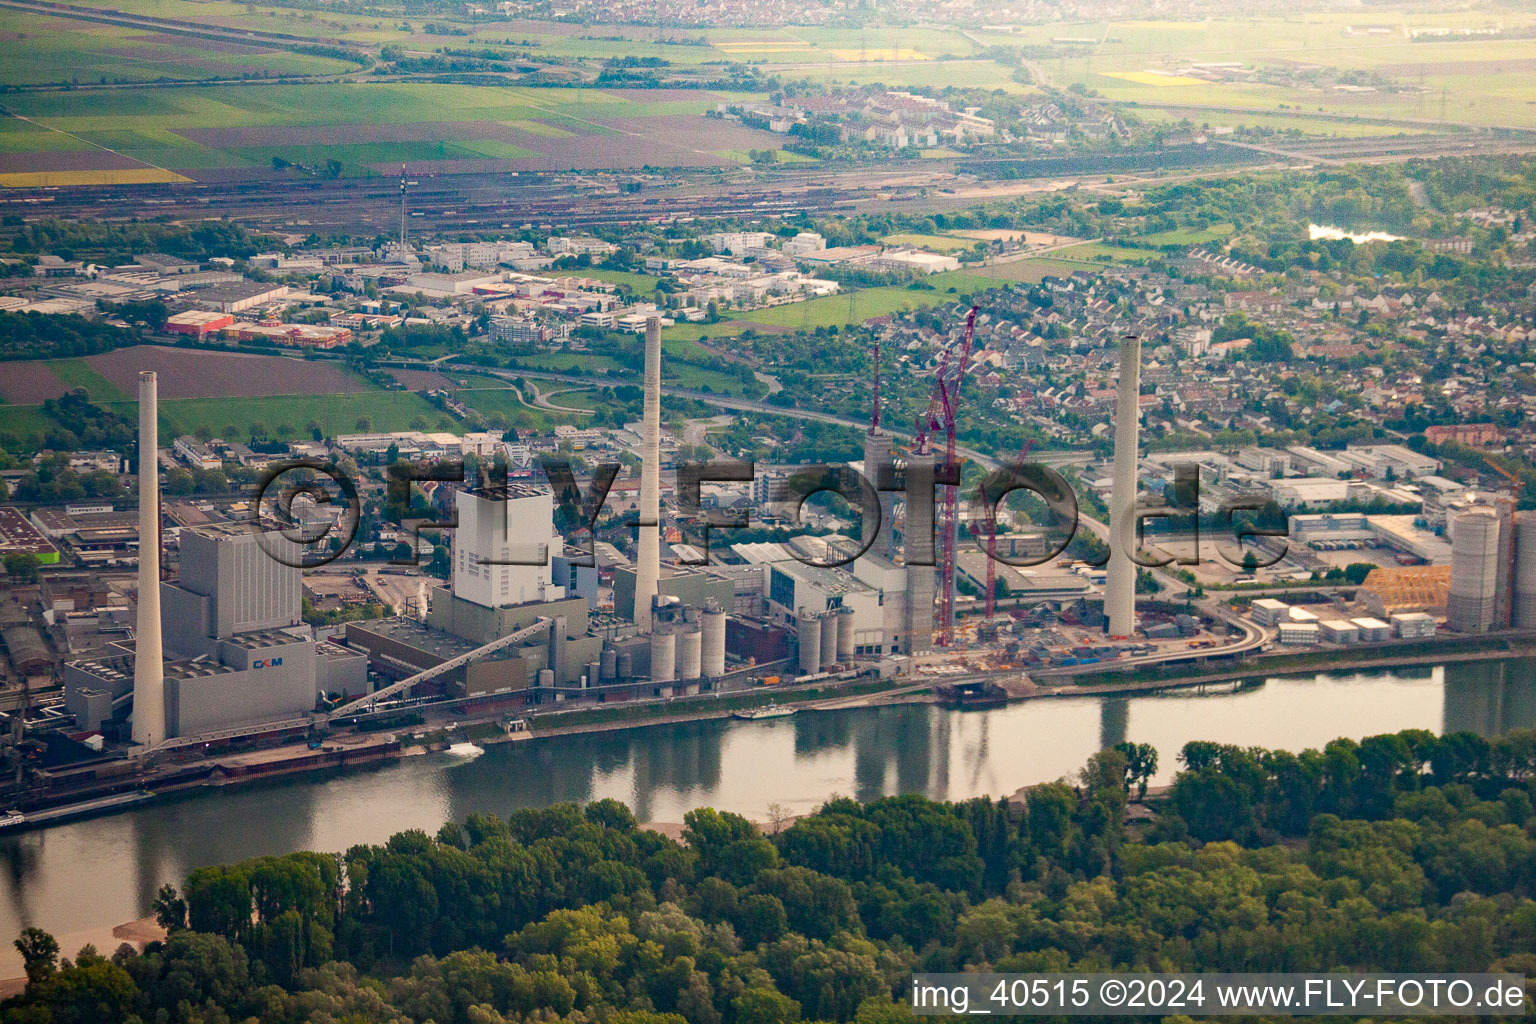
648,564
148,662
1120,586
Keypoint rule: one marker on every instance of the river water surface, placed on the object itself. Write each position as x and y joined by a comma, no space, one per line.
105,871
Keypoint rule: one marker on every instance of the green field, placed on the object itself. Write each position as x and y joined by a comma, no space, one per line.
939,243
19,422
693,332
1188,236
78,373
336,414
638,283
834,310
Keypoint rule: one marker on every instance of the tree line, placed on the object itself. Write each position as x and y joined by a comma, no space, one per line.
1405,852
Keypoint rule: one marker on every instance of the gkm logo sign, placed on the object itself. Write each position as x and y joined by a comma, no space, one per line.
266,663
308,542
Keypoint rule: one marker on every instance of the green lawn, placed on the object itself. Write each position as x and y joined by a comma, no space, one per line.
942,243
834,309
18,423
568,362
693,332
639,283
1188,236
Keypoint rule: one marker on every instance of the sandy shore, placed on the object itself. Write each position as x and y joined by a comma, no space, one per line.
137,934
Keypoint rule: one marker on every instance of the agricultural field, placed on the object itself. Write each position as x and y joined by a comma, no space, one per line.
41,49
371,128
1486,81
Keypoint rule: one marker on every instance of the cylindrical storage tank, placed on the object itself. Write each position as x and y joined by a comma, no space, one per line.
690,645
546,677
609,665
624,666
845,635
1469,608
808,629
712,662
594,673
663,657
828,640
1525,570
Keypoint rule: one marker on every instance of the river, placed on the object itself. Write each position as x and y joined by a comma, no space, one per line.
105,871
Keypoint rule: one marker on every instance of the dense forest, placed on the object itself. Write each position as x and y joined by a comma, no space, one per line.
1404,852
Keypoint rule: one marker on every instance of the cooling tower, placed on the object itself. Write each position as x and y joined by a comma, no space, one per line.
149,661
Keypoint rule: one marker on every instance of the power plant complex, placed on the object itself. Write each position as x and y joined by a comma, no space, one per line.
222,651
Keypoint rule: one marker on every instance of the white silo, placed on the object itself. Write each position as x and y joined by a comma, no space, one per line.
1525,571
828,639
663,657
845,635
689,646
808,629
1474,570
712,659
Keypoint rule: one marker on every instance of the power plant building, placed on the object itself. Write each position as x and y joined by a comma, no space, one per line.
236,652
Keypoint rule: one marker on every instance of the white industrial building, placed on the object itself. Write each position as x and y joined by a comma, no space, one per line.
1413,625
503,546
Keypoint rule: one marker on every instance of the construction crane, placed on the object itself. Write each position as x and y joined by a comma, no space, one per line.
941,413
992,541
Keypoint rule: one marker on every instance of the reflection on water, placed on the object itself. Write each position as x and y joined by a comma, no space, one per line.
106,870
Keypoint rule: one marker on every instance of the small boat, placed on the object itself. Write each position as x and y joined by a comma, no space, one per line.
465,750
12,818
771,711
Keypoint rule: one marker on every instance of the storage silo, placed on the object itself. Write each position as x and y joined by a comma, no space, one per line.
689,647
845,635
593,673
663,657
828,639
1525,571
624,666
808,629
1474,570
546,677
712,659
609,665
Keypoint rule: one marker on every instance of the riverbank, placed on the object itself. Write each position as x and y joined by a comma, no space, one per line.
345,753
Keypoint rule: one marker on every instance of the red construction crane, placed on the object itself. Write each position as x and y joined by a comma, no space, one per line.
991,528
941,412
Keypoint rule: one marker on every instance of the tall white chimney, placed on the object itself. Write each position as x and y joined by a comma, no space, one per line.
148,662
1120,584
648,563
